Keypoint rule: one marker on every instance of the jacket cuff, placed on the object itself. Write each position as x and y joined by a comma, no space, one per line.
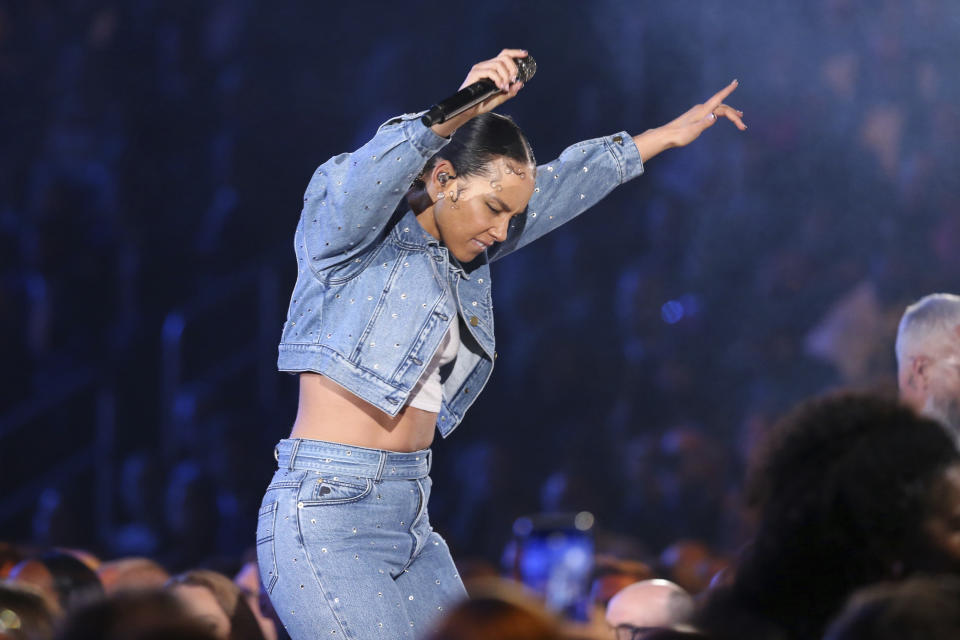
625,152
422,137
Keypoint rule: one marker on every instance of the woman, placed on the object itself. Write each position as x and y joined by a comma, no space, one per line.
390,327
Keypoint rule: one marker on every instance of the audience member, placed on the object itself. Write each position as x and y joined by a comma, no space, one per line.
10,556
649,604
691,564
61,576
248,580
127,574
850,489
928,358
213,599
922,607
498,611
611,575
134,615
26,613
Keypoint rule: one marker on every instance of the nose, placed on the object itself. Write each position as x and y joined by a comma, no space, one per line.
499,230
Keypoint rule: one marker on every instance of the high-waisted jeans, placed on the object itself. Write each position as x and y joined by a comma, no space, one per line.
345,545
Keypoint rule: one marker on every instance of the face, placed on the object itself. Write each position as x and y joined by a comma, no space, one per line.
474,212
930,383
203,606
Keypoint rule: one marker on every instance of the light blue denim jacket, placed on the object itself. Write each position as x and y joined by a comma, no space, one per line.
375,293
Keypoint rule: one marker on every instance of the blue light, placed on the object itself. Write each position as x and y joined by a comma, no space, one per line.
672,311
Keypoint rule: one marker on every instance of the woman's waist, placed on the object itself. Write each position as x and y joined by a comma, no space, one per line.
329,412
351,460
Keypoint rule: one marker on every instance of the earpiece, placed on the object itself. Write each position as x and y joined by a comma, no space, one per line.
443,177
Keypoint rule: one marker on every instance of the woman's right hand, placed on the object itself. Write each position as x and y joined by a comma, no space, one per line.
502,71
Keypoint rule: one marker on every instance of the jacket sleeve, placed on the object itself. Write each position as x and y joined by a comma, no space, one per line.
582,176
352,196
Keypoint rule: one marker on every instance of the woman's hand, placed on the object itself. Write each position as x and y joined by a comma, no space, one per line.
690,125
501,71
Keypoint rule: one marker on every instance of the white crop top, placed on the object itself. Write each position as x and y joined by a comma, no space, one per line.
428,392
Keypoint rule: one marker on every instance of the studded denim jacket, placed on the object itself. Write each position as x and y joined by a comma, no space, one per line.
375,293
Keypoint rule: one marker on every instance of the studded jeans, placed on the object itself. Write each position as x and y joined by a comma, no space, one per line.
345,546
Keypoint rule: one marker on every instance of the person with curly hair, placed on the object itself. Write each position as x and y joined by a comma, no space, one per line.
849,490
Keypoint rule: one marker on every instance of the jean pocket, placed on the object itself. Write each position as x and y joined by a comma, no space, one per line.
339,490
266,548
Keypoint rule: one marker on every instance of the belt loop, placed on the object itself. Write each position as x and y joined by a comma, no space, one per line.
293,453
429,460
383,463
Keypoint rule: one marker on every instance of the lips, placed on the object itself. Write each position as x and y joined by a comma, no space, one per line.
479,244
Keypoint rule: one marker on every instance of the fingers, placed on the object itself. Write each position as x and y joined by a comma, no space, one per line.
501,70
514,53
720,96
495,70
731,114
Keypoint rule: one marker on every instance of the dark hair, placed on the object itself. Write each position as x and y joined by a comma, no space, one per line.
134,615
76,584
843,488
482,139
923,607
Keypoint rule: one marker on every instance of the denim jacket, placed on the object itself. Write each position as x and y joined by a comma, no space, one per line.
375,293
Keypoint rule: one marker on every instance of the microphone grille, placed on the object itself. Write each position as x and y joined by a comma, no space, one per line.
526,67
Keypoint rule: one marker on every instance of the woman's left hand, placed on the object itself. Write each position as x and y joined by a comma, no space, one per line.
688,127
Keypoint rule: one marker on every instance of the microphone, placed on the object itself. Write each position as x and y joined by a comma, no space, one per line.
474,93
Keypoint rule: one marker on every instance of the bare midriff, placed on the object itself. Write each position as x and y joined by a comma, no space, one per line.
329,412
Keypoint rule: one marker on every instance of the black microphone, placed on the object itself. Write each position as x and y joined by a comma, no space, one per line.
476,92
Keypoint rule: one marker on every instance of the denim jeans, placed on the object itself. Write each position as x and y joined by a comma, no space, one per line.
345,545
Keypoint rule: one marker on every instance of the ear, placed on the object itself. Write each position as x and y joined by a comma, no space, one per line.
440,176
920,372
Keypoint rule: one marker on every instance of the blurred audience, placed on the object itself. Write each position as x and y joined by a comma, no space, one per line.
498,611
248,581
62,577
126,574
26,612
215,601
850,490
135,615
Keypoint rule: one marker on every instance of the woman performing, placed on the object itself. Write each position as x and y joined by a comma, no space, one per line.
390,327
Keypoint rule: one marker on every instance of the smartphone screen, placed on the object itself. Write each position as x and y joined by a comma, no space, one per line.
555,559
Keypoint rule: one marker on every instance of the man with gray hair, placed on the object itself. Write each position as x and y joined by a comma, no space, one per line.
928,359
649,604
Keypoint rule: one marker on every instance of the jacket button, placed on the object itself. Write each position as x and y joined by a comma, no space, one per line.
474,321
466,390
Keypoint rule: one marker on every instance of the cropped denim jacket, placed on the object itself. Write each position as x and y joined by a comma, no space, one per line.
375,293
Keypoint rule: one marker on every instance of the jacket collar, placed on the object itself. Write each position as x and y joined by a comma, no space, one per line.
408,231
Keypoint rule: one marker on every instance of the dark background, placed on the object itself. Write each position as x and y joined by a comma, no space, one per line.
153,155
